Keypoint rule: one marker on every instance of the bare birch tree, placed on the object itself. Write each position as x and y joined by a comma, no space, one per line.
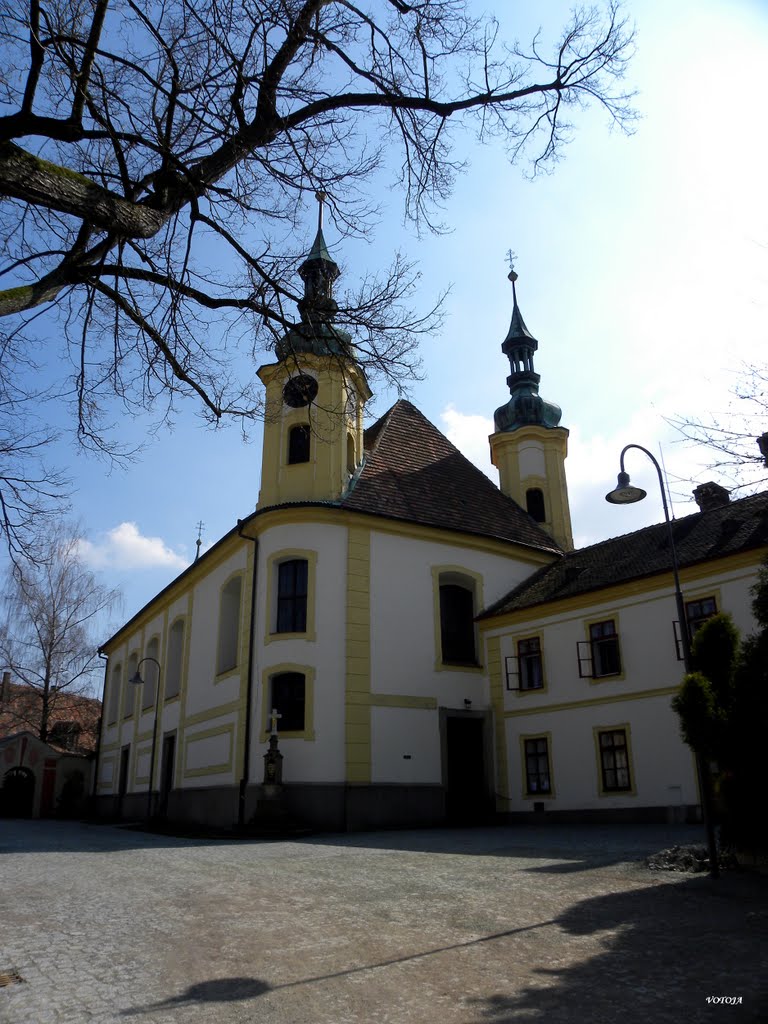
52,605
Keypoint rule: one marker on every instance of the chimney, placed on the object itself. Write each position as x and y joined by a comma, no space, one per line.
711,495
5,688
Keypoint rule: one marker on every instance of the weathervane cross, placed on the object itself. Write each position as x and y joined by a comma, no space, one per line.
320,196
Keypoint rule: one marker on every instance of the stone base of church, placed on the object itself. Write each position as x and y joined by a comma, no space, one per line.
679,814
322,806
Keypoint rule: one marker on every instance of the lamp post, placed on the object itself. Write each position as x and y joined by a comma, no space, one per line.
137,680
626,494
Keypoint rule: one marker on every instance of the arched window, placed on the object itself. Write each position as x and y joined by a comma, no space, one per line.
229,625
150,674
174,659
457,625
298,444
292,579
534,501
288,698
114,694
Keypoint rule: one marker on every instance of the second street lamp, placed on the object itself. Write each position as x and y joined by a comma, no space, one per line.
626,494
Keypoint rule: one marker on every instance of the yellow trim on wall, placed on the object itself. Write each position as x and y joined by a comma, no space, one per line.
210,714
357,710
596,730
524,777
267,674
460,575
401,700
496,688
141,780
270,623
215,769
542,709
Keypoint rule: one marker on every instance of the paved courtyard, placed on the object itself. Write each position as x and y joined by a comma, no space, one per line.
484,926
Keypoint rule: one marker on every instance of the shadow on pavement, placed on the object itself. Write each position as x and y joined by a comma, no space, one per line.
665,949
581,847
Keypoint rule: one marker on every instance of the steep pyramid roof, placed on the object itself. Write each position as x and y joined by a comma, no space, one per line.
413,472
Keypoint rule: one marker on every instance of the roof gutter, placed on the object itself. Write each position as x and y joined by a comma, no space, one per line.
101,725
249,686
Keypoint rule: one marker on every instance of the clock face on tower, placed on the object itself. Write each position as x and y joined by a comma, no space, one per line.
299,391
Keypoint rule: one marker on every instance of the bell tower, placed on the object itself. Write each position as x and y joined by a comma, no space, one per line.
529,447
316,393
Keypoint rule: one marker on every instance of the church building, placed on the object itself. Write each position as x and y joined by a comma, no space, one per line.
419,645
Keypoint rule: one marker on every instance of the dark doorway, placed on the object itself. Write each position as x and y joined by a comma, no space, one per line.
122,785
166,773
17,796
467,796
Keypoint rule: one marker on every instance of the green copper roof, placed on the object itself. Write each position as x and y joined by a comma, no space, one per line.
319,250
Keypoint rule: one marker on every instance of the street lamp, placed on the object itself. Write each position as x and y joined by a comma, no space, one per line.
626,494
136,680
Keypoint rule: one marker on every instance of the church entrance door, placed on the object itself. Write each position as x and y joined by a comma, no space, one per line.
122,785
467,796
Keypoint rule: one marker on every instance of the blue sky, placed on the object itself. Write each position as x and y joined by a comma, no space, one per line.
643,272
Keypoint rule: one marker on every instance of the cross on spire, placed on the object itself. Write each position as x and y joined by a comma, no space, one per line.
199,540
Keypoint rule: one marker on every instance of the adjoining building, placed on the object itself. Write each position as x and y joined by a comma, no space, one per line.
45,778
375,608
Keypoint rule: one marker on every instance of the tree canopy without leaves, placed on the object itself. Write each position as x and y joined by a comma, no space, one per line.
52,604
156,156
736,440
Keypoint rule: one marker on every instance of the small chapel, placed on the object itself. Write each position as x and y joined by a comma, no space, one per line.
390,639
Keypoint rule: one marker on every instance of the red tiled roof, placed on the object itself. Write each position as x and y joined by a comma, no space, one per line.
21,711
413,472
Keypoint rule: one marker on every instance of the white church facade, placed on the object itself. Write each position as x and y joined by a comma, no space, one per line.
424,645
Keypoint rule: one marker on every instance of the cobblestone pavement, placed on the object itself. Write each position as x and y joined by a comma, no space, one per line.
542,924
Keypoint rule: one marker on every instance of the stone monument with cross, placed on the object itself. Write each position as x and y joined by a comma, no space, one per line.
273,759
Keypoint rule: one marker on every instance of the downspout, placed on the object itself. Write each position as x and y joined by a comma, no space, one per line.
102,724
249,690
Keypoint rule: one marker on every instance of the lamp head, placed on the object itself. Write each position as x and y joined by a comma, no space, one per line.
136,679
624,493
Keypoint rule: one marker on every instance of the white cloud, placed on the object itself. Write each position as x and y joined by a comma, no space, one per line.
124,547
470,435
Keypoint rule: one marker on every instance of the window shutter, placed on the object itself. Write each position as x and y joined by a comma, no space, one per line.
512,671
584,656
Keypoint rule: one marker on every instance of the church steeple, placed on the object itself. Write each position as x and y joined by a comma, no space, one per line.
316,333
529,447
316,391
525,406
